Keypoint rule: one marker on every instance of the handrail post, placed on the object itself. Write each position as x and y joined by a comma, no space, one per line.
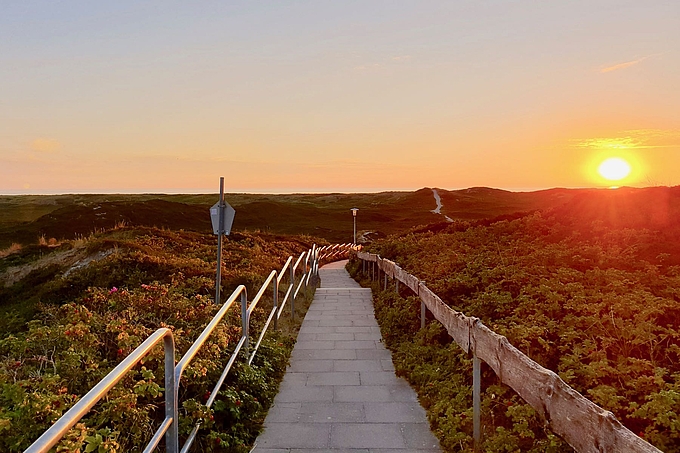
218,277
245,321
476,401
171,396
292,285
422,309
54,434
275,283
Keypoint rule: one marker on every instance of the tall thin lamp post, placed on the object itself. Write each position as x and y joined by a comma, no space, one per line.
354,215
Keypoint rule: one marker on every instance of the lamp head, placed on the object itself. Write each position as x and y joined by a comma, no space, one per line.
354,211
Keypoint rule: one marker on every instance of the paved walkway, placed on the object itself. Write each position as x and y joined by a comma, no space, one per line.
340,393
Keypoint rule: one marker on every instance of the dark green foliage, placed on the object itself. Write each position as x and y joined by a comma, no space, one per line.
441,374
586,301
87,320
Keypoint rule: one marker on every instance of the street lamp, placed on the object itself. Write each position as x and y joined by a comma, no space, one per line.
354,214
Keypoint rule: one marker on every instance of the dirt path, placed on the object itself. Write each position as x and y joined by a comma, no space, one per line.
438,209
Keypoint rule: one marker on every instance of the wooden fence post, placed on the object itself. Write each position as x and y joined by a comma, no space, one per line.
476,401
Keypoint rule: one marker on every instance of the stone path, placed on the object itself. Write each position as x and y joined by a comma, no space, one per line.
340,393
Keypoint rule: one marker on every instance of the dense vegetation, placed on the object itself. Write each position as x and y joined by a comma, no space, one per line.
96,299
596,303
23,218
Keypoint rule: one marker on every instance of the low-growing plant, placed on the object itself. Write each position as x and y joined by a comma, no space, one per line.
595,304
156,279
441,374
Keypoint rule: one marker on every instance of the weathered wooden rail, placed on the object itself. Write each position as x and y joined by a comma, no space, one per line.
584,425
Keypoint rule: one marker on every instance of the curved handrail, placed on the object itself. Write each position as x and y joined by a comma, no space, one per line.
54,434
193,350
308,262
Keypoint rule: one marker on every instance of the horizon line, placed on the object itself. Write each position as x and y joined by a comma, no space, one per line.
297,192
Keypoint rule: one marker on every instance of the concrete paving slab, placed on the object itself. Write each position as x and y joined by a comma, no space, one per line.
334,450
357,365
368,336
376,377
356,329
295,435
392,412
324,354
334,378
299,394
355,344
370,393
410,450
334,336
331,413
303,366
367,435
315,345
340,393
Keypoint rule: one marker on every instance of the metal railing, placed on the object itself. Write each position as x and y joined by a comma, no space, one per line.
50,437
308,266
583,424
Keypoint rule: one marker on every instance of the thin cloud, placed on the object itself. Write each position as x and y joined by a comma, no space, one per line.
624,65
401,58
45,145
633,139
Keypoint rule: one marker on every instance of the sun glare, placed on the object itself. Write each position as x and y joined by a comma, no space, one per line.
614,169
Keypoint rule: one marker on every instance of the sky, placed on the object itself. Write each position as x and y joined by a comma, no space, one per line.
324,96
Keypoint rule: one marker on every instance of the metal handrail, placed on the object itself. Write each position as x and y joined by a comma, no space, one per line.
274,279
173,372
302,280
169,426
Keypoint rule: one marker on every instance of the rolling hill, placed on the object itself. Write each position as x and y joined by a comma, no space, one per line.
23,219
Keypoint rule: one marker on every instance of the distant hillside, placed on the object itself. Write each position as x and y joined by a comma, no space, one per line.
653,208
25,218
70,221
322,215
482,202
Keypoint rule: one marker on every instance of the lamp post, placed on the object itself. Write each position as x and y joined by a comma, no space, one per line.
354,214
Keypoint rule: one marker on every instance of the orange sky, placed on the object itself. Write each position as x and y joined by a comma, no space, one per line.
336,96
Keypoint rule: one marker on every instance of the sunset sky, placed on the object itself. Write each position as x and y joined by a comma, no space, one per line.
317,96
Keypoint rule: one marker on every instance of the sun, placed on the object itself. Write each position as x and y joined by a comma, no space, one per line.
614,169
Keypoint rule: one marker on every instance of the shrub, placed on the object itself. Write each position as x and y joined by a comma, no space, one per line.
88,322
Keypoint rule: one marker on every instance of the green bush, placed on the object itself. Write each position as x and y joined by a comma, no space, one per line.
590,303
154,279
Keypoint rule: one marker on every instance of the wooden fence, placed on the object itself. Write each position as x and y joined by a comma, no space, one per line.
580,422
